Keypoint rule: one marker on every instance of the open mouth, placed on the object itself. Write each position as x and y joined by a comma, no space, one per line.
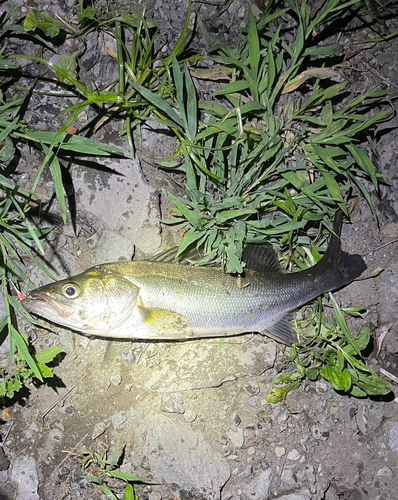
38,302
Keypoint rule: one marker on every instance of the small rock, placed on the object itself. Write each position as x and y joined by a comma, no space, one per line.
310,473
235,418
353,411
55,435
128,356
288,477
252,402
99,429
280,451
321,387
118,419
241,12
385,472
63,472
362,418
331,494
3,476
190,416
251,388
246,472
258,487
293,455
393,438
235,435
251,450
25,475
320,433
4,462
154,495
67,410
170,404
299,495
115,379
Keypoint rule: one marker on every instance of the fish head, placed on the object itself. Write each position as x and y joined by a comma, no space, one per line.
93,302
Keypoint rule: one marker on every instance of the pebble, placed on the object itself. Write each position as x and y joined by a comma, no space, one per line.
320,433
246,472
280,451
385,472
293,455
154,495
4,462
252,402
235,435
99,429
190,415
128,356
251,450
251,388
288,477
393,438
67,410
25,475
299,495
321,387
171,404
63,472
55,435
235,418
118,419
241,12
115,379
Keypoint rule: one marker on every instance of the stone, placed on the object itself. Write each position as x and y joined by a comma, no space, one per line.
300,495
118,419
393,437
385,472
25,475
170,404
99,428
235,435
258,487
183,456
280,451
293,455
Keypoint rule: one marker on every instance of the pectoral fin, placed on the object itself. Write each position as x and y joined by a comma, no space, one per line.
163,320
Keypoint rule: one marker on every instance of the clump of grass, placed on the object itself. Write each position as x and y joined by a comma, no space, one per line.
102,470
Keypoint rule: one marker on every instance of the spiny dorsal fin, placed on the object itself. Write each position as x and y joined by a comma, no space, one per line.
189,257
261,258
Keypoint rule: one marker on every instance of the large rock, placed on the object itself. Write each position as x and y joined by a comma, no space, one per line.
183,457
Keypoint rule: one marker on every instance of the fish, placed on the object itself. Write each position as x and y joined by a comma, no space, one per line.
170,301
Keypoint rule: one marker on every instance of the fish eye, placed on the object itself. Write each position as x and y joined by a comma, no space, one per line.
71,291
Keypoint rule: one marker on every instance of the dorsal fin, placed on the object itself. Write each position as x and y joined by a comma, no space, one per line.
261,258
189,257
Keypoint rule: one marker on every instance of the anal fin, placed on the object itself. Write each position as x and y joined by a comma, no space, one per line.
282,331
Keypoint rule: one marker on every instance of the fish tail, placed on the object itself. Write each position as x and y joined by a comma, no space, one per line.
340,267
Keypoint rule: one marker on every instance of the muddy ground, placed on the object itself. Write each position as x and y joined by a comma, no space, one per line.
193,415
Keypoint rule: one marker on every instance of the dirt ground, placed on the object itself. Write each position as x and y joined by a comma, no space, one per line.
193,415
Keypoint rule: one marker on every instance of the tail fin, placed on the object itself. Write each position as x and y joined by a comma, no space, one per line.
341,267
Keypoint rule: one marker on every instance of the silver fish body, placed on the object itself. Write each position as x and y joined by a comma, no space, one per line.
158,300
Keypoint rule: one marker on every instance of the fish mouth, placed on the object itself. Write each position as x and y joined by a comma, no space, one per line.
37,302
